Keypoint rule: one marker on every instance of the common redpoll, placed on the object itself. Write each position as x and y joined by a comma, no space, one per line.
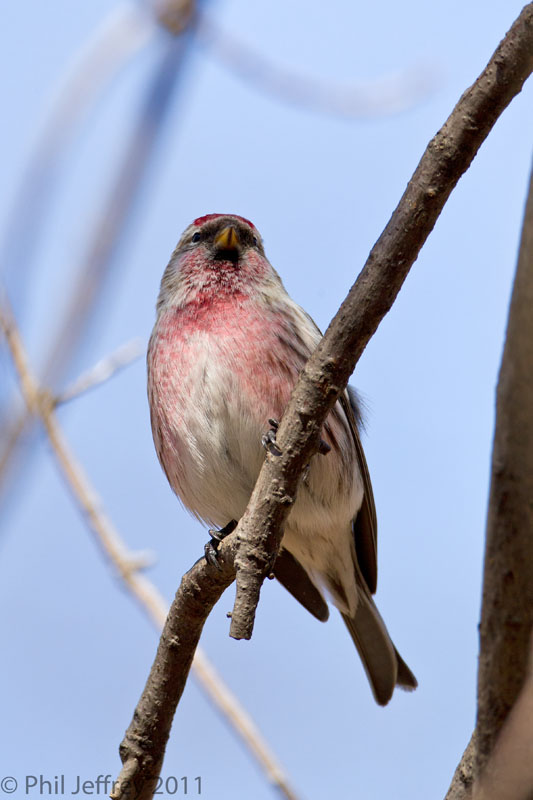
223,358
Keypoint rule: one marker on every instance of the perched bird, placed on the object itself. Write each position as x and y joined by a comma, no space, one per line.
223,358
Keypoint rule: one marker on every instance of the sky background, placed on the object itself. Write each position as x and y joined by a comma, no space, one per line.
320,188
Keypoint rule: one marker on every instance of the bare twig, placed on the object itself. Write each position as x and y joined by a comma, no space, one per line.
226,703
507,608
447,157
103,370
40,403
354,100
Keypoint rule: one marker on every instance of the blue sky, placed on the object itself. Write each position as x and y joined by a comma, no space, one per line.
320,189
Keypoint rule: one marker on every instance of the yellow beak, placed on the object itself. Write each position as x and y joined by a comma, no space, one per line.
227,239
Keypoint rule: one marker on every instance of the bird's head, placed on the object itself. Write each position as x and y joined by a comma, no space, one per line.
217,254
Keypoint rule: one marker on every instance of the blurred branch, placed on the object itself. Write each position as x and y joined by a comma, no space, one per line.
40,404
446,158
112,225
358,99
174,15
507,606
108,236
104,369
122,34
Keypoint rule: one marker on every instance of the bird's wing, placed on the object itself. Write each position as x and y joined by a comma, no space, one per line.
365,524
305,335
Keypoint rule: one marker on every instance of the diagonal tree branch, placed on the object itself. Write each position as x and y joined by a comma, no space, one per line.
41,404
254,544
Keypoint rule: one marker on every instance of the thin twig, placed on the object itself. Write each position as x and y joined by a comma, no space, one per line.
40,404
103,370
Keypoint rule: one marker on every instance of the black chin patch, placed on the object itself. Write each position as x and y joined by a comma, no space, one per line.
227,254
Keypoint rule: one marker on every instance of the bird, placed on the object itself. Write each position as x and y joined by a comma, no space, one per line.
223,357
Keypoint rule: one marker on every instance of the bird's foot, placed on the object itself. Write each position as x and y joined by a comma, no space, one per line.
211,548
269,439
323,448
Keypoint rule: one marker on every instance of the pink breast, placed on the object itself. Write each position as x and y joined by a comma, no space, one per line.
244,340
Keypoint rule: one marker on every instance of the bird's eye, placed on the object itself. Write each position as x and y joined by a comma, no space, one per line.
196,237
255,241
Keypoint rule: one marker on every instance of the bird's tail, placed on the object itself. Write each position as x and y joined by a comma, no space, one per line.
383,664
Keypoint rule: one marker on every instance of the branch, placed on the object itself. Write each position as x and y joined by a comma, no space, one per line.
103,370
446,158
355,100
41,404
507,607
509,771
463,779
505,663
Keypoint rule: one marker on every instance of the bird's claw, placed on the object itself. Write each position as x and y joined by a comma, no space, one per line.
323,448
211,548
211,556
268,440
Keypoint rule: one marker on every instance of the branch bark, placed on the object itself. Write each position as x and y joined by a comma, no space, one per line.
501,764
507,608
463,779
509,771
143,747
446,158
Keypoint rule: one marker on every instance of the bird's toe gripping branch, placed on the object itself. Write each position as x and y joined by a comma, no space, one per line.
211,548
268,440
